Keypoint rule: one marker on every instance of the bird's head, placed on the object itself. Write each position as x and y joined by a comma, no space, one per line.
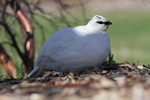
99,22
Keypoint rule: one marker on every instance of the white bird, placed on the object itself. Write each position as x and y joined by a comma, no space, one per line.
75,49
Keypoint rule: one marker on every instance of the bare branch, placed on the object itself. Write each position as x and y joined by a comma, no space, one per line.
3,11
7,62
1,23
28,39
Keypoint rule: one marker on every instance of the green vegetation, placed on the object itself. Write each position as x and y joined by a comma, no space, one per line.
110,58
20,70
129,36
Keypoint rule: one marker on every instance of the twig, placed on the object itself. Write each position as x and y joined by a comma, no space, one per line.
8,30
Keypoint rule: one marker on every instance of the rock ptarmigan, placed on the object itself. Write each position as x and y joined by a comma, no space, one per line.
75,49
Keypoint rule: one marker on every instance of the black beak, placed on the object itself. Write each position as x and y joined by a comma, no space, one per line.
108,23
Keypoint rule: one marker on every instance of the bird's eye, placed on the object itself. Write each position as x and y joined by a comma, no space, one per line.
100,22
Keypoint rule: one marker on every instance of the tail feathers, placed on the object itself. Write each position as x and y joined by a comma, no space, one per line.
34,72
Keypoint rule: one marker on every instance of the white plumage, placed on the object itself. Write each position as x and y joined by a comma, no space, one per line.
75,49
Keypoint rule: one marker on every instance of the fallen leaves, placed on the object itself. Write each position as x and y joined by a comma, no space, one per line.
109,82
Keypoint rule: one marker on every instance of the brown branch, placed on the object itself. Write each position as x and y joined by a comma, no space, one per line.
8,30
7,63
1,23
3,11
28,34
5,59
14,43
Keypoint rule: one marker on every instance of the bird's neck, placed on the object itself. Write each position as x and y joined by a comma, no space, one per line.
94,28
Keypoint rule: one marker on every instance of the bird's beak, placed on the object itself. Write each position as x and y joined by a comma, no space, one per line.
108,23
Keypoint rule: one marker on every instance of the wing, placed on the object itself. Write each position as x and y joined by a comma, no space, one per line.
54,47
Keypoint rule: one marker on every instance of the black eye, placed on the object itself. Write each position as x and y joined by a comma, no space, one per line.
100,22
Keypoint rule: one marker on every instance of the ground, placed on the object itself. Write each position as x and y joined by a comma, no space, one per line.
111,81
